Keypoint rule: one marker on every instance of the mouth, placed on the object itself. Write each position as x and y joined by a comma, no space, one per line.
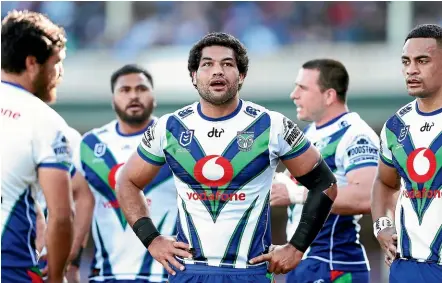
413,83
218,84
134,106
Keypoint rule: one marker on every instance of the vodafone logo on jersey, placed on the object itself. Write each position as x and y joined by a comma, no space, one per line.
112,181
213,171
421,165
113,174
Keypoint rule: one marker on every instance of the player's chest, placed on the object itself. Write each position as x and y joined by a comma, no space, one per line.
218,138
417,147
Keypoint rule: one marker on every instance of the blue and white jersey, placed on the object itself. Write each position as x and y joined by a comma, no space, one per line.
33,136
119,254
411,142
346,143
223,170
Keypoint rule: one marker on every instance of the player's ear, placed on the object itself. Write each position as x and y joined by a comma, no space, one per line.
331,96
32,66
241,78
194,78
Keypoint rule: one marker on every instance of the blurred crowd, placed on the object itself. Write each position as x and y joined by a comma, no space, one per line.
262,26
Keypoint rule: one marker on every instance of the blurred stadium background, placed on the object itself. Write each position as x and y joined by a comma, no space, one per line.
366,36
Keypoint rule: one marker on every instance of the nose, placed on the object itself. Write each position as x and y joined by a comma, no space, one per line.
412,69
217,70
133,94
294,95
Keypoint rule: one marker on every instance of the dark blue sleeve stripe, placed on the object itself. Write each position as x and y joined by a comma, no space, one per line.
53,165
148,160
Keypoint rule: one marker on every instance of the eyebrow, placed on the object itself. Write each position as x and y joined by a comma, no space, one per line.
301,85
224,59
138,85
417,57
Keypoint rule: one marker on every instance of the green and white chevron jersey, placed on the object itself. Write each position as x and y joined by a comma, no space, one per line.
223,170
119,254
346,143
411,142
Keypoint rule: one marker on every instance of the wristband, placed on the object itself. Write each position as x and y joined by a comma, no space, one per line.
145,230
380,224
77,260
295,192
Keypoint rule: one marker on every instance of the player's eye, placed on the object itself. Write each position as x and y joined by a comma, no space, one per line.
422,61
206,64
228,64
405,62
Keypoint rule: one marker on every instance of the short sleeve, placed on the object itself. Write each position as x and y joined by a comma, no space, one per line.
74,138
290,140
385,152
50,144
359,149
150,149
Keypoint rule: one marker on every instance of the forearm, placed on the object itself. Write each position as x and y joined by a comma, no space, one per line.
315,212
351,200
323,190
40,228
84,207
59,242
132,201
383,200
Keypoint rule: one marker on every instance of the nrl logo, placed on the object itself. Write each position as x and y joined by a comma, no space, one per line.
245,140
186,137
99,150
403,133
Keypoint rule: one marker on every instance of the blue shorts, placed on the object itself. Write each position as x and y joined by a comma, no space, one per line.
411,271
311,270
21,275
211,274
122,281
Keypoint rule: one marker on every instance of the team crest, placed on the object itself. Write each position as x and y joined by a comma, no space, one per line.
186,137
245,140
403,134
99,150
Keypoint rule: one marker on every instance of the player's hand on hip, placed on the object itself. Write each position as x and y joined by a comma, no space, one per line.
164,249
281,259
387,238
279,195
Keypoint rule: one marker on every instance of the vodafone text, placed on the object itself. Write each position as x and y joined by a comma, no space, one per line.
217,196
422,194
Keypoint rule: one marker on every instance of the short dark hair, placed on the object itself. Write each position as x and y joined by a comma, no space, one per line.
129,69
426,31
219,39
26,33
332,74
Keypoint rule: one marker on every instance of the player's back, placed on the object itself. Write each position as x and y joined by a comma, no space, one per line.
346,143
412,143
118,252
29,141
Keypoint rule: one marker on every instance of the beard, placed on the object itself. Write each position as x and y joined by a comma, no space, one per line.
133,119
218,99
420,94
45,89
